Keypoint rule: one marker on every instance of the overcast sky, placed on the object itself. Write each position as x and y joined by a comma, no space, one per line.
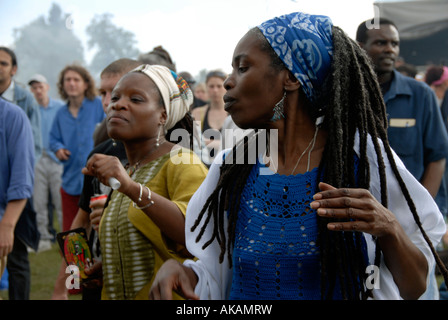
198,34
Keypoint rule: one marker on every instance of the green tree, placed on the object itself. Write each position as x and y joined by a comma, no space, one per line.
46,46
111,42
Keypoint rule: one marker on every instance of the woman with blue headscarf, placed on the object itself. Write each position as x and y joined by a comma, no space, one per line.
327,210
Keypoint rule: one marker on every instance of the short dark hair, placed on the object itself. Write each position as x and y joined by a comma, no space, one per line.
120,66
158,56
361,33
433,73
407,69
11,54
216,74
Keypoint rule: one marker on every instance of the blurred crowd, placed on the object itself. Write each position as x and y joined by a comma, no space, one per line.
69,149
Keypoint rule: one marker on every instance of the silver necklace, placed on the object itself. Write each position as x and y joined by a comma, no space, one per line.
136,166
311,144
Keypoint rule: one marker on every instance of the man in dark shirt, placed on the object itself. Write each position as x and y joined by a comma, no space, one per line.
416,131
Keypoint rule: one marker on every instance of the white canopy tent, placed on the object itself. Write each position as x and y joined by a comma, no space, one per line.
423,27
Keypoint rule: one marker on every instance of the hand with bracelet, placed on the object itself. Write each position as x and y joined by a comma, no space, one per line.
143,222
170,219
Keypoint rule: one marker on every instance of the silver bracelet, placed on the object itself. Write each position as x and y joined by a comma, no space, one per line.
141,191
140,199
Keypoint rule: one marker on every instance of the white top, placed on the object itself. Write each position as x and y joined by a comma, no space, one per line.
215,278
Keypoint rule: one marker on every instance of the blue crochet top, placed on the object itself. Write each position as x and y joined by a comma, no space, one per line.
275,253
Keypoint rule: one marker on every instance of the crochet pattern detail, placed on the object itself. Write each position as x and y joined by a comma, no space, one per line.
275,252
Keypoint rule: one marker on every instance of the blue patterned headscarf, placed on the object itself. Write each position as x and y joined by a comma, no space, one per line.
305,44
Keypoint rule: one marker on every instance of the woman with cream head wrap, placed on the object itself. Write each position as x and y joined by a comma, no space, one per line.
177,96
143,223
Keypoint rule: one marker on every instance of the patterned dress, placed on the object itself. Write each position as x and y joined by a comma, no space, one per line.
133,247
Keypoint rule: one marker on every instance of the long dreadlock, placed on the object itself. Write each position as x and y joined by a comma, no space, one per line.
347,111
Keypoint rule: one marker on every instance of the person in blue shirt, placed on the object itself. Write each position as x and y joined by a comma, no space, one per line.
71,136
14,92
416,130
415,127
48,171
26,233
17,175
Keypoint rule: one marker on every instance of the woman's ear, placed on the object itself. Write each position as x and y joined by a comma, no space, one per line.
163,117
291,83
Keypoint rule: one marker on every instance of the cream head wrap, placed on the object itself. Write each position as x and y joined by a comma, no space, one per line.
176,94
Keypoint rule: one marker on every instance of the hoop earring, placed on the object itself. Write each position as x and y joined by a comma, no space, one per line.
278,109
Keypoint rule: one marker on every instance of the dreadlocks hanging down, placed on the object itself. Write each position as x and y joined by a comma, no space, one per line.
338,80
